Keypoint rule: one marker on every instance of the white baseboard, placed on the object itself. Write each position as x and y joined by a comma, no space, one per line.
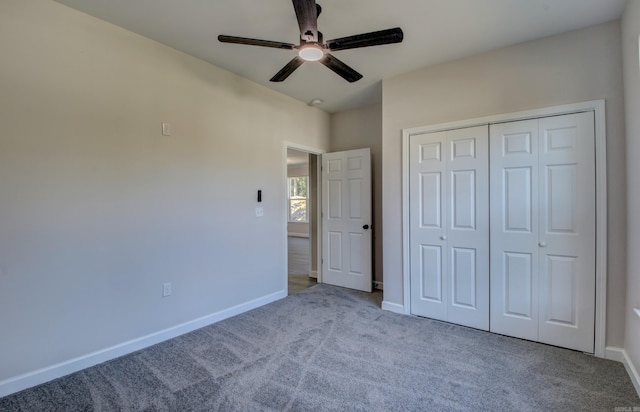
293,234
614,354
28,380
620,355
378,285
393,307
314,274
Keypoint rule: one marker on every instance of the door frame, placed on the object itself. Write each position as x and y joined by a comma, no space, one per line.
317,204
598,107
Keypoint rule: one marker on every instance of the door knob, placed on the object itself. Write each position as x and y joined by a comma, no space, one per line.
365,227
443,237
542,244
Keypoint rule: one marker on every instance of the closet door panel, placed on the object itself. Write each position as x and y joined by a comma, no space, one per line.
468,227
543,230
567,231
464,278
517,200
428,212
514,229
449,227
518,294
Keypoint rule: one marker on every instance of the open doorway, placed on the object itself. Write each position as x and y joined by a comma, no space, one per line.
302,217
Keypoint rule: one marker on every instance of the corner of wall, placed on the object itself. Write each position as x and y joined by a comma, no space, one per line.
620,355
393,307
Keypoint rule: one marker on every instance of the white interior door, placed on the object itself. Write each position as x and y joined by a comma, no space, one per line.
567,231
543,230
346,219
514,229
449,226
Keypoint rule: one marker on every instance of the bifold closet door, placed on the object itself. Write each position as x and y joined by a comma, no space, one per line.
543,230
449,226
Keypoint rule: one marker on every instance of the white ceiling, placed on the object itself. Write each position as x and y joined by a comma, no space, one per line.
435,31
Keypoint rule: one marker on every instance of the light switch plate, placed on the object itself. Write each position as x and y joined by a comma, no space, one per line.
166,129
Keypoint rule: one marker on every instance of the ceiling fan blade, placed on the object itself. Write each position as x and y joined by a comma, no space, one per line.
307,15
255,42
340,68
287,69
375,38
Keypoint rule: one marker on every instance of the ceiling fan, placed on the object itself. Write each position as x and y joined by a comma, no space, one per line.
312,47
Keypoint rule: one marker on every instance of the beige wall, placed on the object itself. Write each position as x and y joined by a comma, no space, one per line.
357,129
573,67
630,33
98,210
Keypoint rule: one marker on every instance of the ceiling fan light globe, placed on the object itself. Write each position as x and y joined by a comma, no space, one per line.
311,53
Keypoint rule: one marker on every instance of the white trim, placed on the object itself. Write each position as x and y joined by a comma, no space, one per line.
378,285
632,371
620,355
393,307
28,380
598,107
601,228
613,353
406,256
511,117
314,274
319,229
302,148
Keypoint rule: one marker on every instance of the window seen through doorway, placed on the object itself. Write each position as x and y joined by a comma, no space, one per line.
298,198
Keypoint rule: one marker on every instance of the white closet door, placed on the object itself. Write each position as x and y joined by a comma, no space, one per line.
428,213
543,230
514,229
468,227
567,231
449,226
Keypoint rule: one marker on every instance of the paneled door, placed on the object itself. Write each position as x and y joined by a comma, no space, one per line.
449,226
543,230
346,219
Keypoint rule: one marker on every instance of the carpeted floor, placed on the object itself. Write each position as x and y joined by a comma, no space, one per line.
328,348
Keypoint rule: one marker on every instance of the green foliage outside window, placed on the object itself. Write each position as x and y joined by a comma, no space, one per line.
298,199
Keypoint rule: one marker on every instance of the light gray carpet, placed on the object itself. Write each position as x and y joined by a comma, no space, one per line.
328,348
